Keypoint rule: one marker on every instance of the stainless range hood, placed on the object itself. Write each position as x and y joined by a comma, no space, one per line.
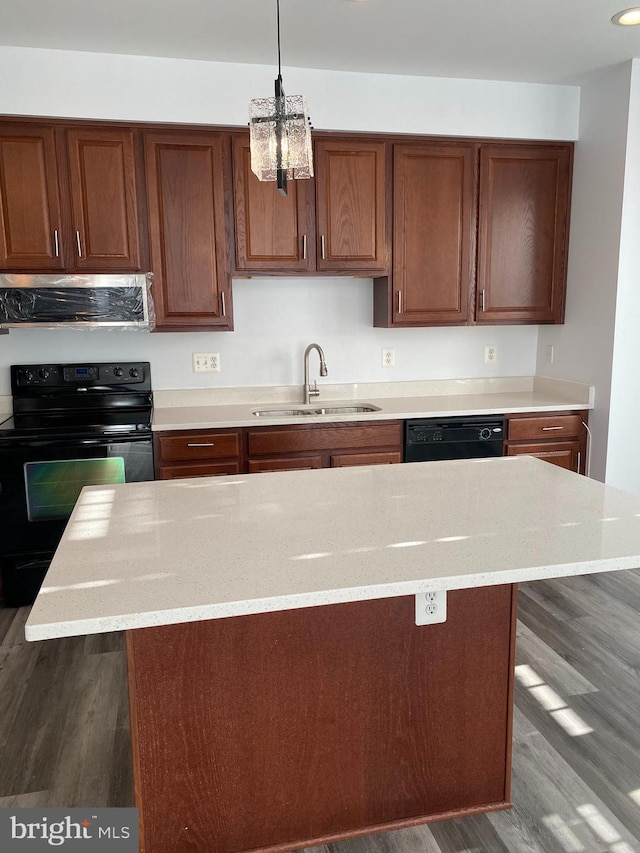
76,301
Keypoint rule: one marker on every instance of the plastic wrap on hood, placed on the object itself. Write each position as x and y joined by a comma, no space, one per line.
78,302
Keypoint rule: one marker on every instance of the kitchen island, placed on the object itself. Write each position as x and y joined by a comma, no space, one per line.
281,692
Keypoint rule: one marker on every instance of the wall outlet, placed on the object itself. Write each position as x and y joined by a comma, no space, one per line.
206,362
388,357
550,353
431,607
490,355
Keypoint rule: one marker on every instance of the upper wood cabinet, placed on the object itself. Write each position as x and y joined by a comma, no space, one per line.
274,233
350,206
104,206
30,210
433,234
333,223
523,233
68,199
187,229
514,271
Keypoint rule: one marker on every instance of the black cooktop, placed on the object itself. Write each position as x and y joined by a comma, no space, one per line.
81,401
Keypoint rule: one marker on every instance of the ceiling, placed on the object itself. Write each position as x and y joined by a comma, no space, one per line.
545,41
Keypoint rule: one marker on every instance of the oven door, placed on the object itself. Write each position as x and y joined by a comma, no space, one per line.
39,484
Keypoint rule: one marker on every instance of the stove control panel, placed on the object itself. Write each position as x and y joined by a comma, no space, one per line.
25,377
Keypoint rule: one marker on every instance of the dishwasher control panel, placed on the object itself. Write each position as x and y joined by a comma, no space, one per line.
454,438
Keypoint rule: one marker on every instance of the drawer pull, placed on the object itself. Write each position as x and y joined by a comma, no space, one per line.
548,429
201,444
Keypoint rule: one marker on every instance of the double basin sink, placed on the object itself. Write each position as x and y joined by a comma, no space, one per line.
313,411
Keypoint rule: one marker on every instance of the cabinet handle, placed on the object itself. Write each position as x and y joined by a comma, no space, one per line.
79,244
549,429
304,247
201,444
224,309
56,243
482,300
579,462
399,302
322,252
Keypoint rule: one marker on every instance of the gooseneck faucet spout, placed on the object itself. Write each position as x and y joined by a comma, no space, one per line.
310,392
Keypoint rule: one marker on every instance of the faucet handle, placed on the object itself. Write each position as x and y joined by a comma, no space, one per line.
314,391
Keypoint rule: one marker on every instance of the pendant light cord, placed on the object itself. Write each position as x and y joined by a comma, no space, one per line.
278,20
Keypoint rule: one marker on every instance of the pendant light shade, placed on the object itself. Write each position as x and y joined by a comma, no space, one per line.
280,134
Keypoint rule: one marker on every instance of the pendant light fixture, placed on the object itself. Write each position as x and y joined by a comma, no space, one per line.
280,134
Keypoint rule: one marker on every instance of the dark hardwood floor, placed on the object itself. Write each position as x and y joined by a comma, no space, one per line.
64,730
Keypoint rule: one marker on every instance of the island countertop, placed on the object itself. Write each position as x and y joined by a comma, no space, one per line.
158,553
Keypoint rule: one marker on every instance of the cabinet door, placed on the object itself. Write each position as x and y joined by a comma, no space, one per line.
523,233
285,463
434,233
566,454
102,175
185,192
351,206
348,460
274,233
198,469
30,222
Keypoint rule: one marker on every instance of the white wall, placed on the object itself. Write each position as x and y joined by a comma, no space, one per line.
623,452
584,345
275,318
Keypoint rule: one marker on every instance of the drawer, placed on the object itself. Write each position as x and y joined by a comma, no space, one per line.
197,469
348,460
198,445
546,427
325,438
295,463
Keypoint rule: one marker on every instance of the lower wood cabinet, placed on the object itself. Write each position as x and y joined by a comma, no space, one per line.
197,453
556,438
215,452
324,445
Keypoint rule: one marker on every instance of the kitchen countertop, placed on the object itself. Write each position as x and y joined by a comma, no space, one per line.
220,408
145,554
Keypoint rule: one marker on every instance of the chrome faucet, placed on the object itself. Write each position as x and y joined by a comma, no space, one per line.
310,392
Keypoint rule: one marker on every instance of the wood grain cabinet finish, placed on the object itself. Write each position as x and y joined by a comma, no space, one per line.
523,233
324,445
466,251
30,207
187,229
557,438
102,176
433,237
274,233
350,206
283,730
68,199
197,453
333,223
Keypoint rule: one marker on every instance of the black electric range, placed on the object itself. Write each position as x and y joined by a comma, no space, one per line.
73,425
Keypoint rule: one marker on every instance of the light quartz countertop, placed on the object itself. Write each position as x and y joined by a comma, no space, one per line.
227,407
144,554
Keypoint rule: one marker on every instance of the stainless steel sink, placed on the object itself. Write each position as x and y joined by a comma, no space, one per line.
314,411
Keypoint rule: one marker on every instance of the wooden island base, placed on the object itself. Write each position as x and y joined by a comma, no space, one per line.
288,729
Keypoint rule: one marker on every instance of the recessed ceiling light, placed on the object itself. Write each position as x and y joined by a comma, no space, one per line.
627,18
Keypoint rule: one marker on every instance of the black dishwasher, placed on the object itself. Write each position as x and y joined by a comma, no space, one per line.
474,437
